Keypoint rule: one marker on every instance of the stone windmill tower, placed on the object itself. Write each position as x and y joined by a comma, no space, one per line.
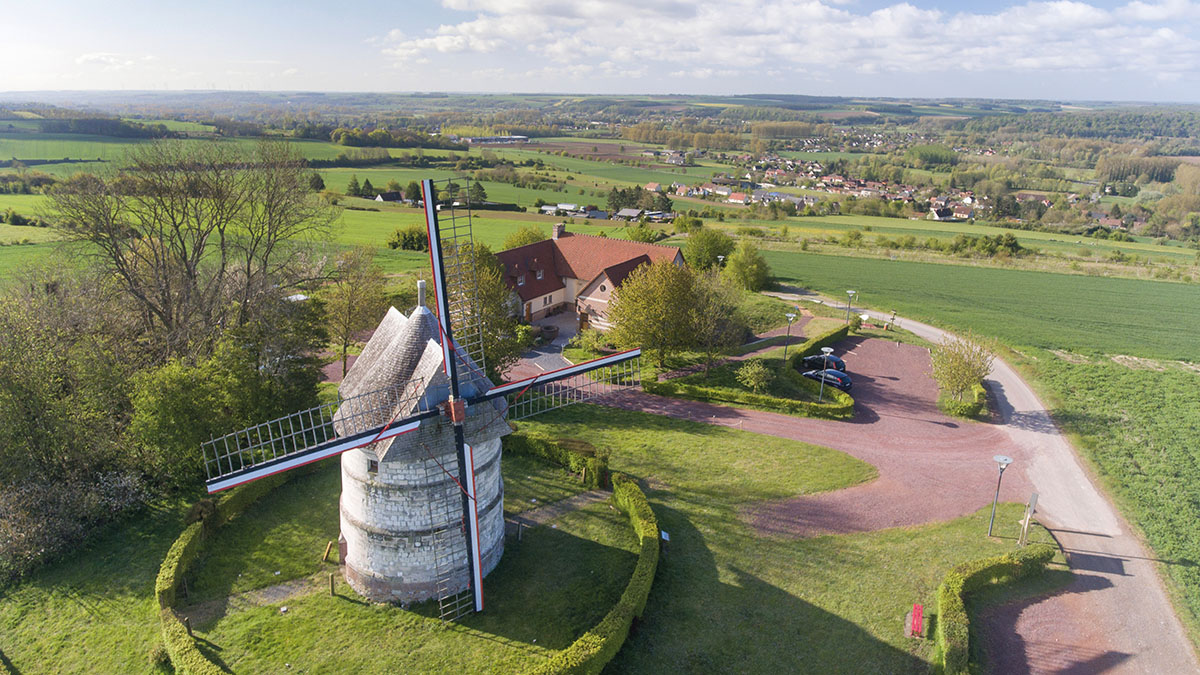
400,507
418,426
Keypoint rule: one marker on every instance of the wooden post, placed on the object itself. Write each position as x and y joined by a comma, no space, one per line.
583,475
520,526
328,548
187,623
331,585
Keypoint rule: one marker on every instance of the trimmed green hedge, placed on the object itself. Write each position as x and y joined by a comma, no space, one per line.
813,346
970,408
182,648
953,623
594,649
185,656
555,452
838,405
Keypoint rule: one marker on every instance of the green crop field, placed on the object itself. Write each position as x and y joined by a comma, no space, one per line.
1039,309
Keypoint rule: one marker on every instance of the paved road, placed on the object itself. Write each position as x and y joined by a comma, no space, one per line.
1114,617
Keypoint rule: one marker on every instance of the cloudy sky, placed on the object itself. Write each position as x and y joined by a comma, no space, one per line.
1094,50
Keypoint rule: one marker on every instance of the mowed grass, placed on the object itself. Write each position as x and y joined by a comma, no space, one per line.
1022,308
729,600
547,590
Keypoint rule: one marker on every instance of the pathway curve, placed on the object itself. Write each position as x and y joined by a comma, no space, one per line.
1114,616
547,513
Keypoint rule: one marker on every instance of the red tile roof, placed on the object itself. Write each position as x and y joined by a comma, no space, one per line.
577,256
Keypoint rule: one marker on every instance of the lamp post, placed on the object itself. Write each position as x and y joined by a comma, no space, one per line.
720,261
824,366
849,297
790,317
1002,461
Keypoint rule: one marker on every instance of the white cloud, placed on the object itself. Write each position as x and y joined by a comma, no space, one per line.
106,60
731,38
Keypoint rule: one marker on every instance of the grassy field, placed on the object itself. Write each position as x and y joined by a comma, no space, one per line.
727,599
1039,309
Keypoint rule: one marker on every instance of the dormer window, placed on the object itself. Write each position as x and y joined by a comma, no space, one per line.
521,280
539,275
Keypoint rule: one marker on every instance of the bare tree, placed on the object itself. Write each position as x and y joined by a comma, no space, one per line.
195,232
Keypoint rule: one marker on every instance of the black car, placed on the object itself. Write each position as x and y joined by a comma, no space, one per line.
833,378
818,362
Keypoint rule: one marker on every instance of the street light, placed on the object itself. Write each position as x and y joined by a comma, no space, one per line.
824,366
849,297
720,260
790,317
1002,461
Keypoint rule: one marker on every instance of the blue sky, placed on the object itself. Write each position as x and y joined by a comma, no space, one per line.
1139,50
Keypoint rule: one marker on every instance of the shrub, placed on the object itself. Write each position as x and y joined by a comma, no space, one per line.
754,375
159,659
592,651
967,408
953,622
574,456
411,238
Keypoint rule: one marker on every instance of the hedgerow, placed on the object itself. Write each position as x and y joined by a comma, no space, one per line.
185,656
595,464
953,623
592,651
839,404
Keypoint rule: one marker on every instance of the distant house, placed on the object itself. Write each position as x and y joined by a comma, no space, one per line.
576,271
738,198
964,212
944,213
652,187
389,197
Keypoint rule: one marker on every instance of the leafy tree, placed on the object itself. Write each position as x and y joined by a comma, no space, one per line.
368,190
316,183
477,194
717,316
525,235
645,234
503,342
412,192
257,372
354,300
705,246
393,185
959,364
653,309
754,375
353,189
747,268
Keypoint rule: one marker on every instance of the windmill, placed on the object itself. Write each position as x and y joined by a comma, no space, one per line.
418,425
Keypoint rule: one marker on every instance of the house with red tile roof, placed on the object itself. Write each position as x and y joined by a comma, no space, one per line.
578,272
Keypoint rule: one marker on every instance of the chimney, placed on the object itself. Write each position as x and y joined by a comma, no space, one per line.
420,293
560,229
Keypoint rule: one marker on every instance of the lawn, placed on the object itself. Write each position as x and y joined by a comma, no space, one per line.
727,599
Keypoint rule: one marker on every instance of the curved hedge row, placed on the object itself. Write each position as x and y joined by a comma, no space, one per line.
839,404
544,447
953,623
970,408
180,646
595,648
813,346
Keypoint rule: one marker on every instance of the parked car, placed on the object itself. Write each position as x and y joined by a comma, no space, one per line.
833,378
818,362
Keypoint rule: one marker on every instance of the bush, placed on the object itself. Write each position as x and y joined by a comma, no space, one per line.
411,238
159,658
42,520
953,622
969,408
592,651
574,456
